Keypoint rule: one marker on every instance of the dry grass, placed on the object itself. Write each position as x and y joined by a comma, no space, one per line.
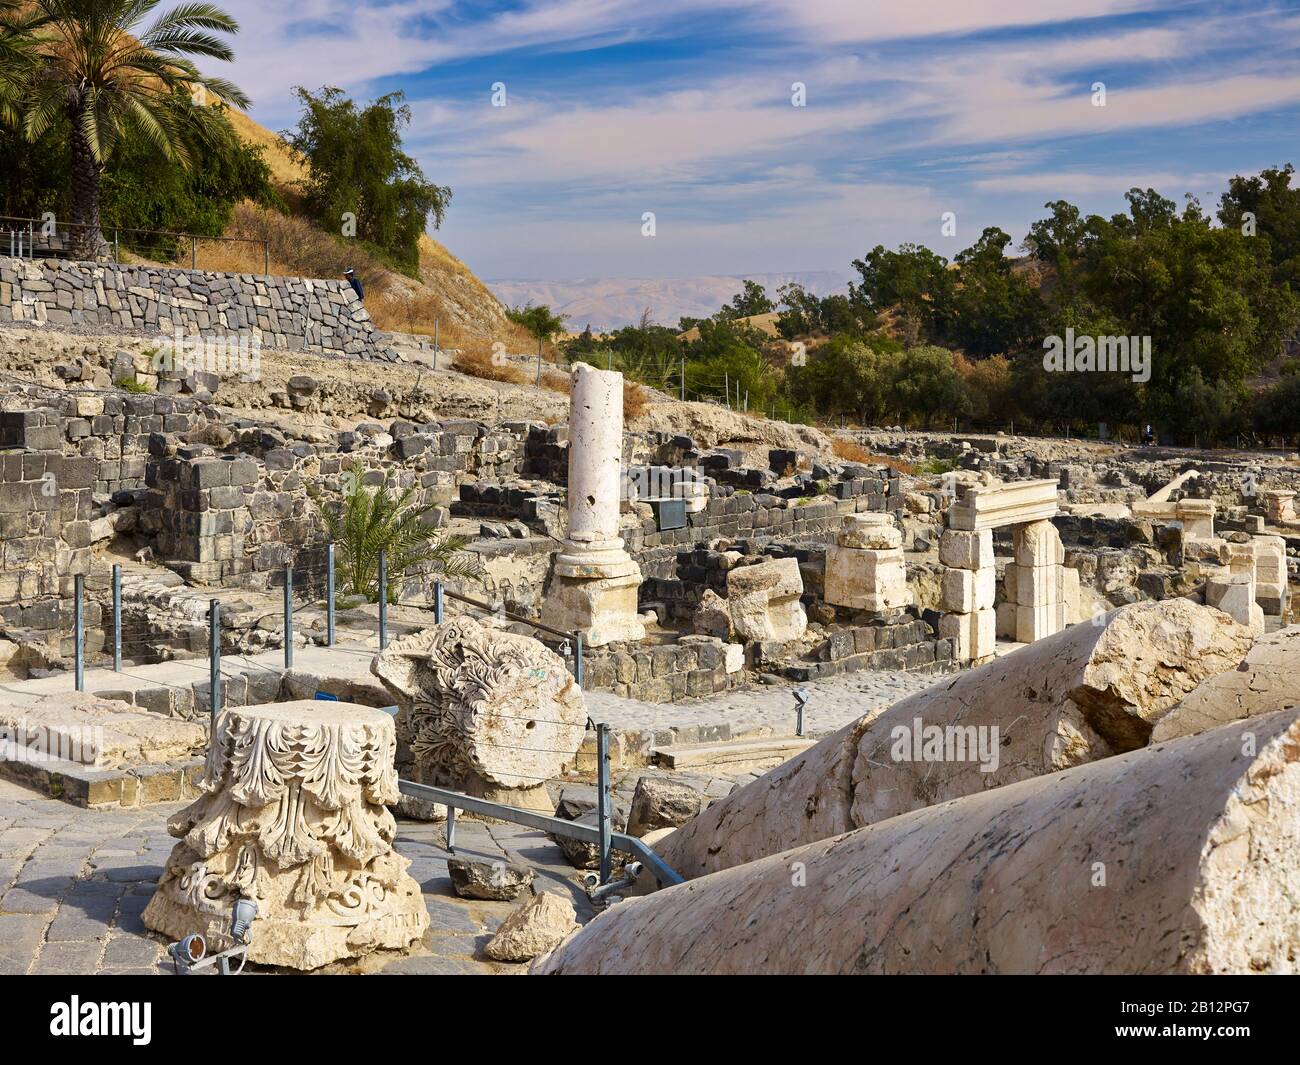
476,360
635,401
853,452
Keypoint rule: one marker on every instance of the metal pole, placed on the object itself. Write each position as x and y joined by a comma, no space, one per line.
726,388
437,347
383,599
116,251
79,634
602,799
194,254
451,830
117,617
683,380
288,617
266,258
329,595
214,661
539,361
437,602
577,658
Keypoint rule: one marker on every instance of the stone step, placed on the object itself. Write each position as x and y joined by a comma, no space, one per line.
693,755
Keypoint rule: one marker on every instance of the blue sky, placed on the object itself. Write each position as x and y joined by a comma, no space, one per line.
914,108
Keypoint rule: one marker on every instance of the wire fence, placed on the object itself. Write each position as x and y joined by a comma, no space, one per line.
48,238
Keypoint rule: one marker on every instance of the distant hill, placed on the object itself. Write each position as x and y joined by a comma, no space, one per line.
608,303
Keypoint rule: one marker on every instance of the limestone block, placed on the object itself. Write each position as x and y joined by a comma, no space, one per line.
1036,622
538,926
957,628
659,803
1088,692
481,708
1069,598
966,550
1198,842
983,635
866,579
1235,596
1037,543
88,730
294,816
870,531
1006,621
764,601
1267,679
958,591
1196,517
1279,503
993,506
1037,585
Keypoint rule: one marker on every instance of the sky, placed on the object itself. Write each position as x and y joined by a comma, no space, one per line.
686,109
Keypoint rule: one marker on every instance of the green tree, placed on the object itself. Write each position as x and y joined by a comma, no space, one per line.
1275,207
358,171
749,302
1277,411
993,309
98,68
913,280
370,520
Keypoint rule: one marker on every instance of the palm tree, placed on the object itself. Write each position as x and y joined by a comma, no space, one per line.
96,68
15,58
369,521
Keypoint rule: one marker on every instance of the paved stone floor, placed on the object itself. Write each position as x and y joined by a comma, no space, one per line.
74,882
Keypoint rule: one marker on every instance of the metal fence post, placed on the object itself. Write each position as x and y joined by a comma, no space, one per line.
288,617
117,617
266,258
329,595
451,830
577,658
437,602
194,253
79,632
602,799
383,599
214,661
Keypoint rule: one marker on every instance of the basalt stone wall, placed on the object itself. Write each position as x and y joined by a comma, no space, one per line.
695,666
46,507
291,313
237,517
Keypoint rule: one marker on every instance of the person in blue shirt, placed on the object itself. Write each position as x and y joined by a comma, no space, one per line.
355,282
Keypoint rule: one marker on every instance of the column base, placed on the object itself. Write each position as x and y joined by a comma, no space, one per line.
603,609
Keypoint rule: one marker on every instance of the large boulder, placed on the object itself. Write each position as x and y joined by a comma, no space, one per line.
1088,692
472,878
481,709
1180,858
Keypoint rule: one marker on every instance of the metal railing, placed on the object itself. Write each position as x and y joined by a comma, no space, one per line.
30,238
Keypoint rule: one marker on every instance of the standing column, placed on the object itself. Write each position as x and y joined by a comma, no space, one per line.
594,590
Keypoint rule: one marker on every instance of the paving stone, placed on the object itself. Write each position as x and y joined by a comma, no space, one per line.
127,952
75,958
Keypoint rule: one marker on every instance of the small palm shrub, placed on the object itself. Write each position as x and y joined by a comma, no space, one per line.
388,519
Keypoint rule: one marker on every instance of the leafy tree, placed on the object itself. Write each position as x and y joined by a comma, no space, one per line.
913,279
377,519
538,320
1275,206
927,385
753,300
993,309
1277,411
102,72
357,168
807,315
850,376
1204,412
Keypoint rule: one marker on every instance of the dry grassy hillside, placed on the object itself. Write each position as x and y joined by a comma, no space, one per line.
447,291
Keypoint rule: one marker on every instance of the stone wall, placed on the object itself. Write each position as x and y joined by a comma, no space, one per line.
291,313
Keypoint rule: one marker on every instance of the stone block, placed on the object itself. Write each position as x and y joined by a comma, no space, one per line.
966,550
